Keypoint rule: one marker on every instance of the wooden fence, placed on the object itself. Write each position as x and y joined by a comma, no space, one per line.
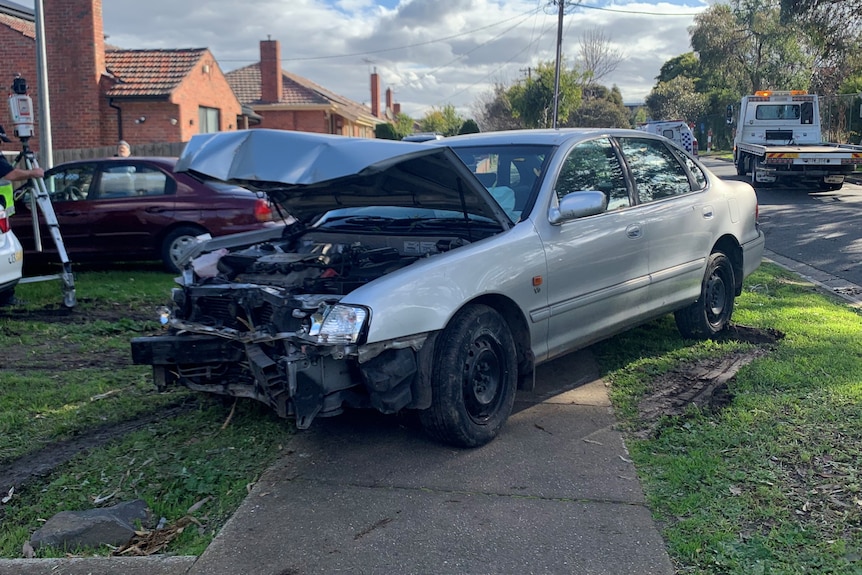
163,149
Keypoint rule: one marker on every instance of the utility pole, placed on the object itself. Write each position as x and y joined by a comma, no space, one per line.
561,4
46,146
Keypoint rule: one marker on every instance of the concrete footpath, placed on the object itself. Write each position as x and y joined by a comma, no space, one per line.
555,493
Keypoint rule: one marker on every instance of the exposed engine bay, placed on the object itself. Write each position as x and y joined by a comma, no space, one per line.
263,321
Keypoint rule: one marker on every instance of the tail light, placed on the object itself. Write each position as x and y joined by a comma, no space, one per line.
263,211
4,222
694,146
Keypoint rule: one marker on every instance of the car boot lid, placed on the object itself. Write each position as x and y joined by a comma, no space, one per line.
309,174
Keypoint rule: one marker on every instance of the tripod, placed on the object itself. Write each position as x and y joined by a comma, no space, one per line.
40,198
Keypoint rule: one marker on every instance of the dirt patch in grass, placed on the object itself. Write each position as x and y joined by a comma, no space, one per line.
41,463
701,384
56,355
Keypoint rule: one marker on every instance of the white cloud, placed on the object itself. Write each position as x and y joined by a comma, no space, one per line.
337,43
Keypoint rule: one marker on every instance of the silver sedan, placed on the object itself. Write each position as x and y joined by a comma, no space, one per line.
435,277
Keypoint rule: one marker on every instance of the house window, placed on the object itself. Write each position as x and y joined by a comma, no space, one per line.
208,118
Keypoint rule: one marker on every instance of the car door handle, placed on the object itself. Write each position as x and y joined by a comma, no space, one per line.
634,231
707,212
155,210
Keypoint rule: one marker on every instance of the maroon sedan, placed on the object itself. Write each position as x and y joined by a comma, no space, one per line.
125,209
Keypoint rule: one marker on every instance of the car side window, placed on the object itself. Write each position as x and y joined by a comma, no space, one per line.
72,184
656,170
150,182
117,181
593,165
696,173
131,181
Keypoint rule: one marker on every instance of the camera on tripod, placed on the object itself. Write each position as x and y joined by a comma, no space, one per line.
21,109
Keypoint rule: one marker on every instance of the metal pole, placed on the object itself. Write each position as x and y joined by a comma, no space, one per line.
561,4
46,146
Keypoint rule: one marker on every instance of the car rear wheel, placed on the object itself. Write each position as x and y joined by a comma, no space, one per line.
740,165
711,313
474,379
175,243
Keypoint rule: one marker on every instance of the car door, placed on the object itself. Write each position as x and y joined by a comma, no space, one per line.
69,189
598,272
132,203
678,217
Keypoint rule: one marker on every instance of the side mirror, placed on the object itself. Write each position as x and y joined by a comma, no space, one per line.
728,114
578,205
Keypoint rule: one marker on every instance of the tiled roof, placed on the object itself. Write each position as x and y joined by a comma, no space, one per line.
25,27
148,73
298,91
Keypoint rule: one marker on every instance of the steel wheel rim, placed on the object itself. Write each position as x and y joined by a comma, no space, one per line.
716,297
483,376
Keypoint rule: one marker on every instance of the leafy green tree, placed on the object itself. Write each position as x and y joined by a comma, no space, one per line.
676,99
445,120
601,108
493,111
686,65
533,99
745,44
385,132
469,127
402,126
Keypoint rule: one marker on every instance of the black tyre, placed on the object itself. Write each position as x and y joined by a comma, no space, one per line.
474,379
711,313
740,165
174,244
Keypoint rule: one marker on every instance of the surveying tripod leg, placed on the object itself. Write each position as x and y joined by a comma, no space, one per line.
43,200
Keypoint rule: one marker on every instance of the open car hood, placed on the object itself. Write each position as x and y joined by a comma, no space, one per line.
309,174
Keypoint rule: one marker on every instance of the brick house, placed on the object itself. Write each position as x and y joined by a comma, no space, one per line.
99,94
286,101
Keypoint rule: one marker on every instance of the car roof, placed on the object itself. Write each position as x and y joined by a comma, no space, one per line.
535,137
165,161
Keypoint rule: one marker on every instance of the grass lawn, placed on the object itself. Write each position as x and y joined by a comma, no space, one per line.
765,481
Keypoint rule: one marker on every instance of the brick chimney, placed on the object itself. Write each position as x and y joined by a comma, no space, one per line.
375,94
396,108
388,99
271,84
75,51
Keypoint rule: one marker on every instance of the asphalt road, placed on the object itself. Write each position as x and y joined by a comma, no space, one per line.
820,229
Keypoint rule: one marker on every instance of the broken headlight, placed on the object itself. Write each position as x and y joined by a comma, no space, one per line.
341,324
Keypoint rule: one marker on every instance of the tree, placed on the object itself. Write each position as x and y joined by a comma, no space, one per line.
834,30
493,111
533,99
744,43
469,127
385,132
601,108
683,65
443,120
676,99
597,57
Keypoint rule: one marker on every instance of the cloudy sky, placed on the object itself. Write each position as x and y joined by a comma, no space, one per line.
430,52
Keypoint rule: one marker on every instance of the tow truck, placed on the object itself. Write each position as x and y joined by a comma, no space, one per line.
778,137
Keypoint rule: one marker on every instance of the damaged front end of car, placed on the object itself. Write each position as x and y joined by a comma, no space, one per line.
302,355
267,315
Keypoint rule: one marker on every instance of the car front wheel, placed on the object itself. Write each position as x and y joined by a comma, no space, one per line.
474,379
711,312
